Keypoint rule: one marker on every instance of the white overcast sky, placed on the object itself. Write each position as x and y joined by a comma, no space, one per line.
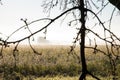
13,10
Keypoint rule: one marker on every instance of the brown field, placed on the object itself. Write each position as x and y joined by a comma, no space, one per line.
55,61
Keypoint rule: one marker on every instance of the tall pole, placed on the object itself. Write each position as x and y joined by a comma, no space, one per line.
82,44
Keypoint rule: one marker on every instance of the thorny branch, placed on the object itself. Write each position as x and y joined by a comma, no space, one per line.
25,21
36,52
103,24
113,57
6,42
102,8
111,18
51,21
25,26
15,54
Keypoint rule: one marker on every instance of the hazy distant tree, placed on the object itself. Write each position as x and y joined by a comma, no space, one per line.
80,10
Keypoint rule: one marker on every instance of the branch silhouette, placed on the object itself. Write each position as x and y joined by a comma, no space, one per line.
113,57
51,21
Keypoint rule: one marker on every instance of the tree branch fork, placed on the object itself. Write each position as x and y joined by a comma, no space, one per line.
6,43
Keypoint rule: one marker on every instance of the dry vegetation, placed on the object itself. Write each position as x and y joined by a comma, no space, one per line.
54,62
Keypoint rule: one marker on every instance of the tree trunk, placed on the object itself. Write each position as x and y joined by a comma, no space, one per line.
82,44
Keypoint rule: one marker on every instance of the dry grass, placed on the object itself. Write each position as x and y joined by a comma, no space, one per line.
67,78
54,61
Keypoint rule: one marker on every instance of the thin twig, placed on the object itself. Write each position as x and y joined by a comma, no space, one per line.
51,21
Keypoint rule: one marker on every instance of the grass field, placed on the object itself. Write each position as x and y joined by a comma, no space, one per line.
67,78
54,61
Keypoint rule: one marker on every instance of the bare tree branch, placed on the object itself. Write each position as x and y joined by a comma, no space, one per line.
36,52
51,21
25,26
103,25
